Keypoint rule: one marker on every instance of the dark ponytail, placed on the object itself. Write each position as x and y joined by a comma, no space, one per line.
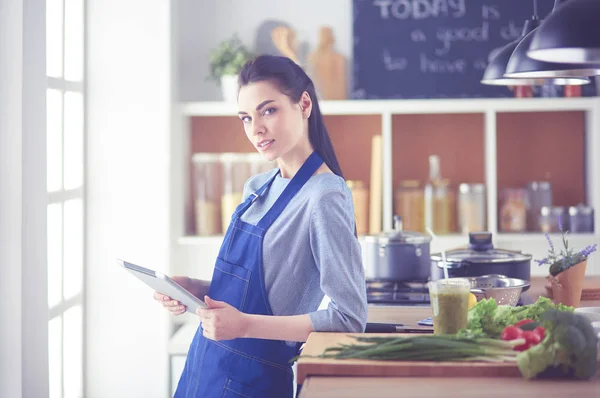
293,82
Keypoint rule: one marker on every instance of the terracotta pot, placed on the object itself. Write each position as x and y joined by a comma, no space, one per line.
568,285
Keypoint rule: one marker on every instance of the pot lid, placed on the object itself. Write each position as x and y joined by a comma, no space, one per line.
481,250
399,236
410,237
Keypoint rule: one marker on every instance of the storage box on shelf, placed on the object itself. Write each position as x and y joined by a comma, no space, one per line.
501,143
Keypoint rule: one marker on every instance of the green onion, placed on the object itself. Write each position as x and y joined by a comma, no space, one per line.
425,348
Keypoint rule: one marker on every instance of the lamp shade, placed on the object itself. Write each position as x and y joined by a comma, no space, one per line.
521,66
570,34
494,72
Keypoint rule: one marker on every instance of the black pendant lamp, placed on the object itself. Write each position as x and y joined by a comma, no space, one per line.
494,73
570,34
521,66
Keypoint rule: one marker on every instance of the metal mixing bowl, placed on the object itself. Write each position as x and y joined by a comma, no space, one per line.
506,291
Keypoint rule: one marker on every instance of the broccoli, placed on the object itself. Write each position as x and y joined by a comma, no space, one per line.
569,349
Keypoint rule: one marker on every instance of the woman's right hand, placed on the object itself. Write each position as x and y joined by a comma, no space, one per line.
174,306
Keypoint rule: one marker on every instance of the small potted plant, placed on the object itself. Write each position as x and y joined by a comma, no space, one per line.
225,62
567,269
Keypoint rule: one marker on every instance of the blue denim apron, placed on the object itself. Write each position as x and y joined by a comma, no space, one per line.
244,367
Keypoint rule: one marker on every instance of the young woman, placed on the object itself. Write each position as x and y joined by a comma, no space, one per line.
291,241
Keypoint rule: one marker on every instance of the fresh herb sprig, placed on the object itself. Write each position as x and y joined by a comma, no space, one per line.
567,257
438,348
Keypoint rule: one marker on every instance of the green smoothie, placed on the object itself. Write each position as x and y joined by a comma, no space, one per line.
450,305
452,312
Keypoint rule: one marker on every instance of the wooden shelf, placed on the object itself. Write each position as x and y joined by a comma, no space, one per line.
499,142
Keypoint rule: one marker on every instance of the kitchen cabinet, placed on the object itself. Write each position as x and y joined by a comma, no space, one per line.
496,142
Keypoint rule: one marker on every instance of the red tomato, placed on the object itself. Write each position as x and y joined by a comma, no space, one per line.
540,331
511,333
523,322
531,339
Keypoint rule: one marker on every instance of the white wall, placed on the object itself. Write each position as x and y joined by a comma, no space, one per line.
128,105
203,24
23,280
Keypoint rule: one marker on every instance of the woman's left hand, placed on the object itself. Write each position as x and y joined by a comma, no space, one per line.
222,321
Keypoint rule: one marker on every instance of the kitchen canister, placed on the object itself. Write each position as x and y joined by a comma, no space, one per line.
207,193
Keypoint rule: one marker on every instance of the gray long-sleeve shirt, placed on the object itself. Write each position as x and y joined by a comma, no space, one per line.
311,251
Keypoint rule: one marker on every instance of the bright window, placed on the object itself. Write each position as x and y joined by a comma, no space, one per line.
65,38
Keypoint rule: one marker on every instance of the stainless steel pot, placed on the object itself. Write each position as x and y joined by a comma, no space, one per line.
397,255
481,258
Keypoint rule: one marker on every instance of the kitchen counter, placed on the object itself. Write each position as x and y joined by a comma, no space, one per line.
463,387
413,387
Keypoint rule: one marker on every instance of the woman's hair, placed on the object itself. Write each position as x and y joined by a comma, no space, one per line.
293,82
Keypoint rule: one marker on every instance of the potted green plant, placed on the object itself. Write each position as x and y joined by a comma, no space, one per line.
567,269
225,62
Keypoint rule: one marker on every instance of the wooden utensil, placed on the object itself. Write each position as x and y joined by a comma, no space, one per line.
284,39
328,68
376,198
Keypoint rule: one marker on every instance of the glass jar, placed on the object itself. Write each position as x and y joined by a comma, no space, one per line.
439,202
410,205
360,197
207,193
471,208
548,219
236,171
540,195
581,219
513,210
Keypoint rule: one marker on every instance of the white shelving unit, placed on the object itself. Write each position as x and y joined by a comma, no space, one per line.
189,250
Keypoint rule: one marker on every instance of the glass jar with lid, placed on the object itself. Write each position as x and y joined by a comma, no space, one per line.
207,193
236,171
540,195
549,219
513,210
581,219
410,205
471,208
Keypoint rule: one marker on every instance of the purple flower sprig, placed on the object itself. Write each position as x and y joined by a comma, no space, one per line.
567,257
589,249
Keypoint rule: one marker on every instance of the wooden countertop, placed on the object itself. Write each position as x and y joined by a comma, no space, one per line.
463,387
384,387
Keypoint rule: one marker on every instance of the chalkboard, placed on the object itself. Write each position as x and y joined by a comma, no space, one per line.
434,48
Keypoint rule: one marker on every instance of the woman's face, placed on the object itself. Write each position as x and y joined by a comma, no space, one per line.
273,124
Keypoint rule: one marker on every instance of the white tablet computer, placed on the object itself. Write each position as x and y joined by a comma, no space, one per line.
165,285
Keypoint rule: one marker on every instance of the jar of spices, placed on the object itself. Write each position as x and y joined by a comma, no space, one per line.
549,219
471,208
410,205
207,193
540,195
581,219
513,210
360,198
